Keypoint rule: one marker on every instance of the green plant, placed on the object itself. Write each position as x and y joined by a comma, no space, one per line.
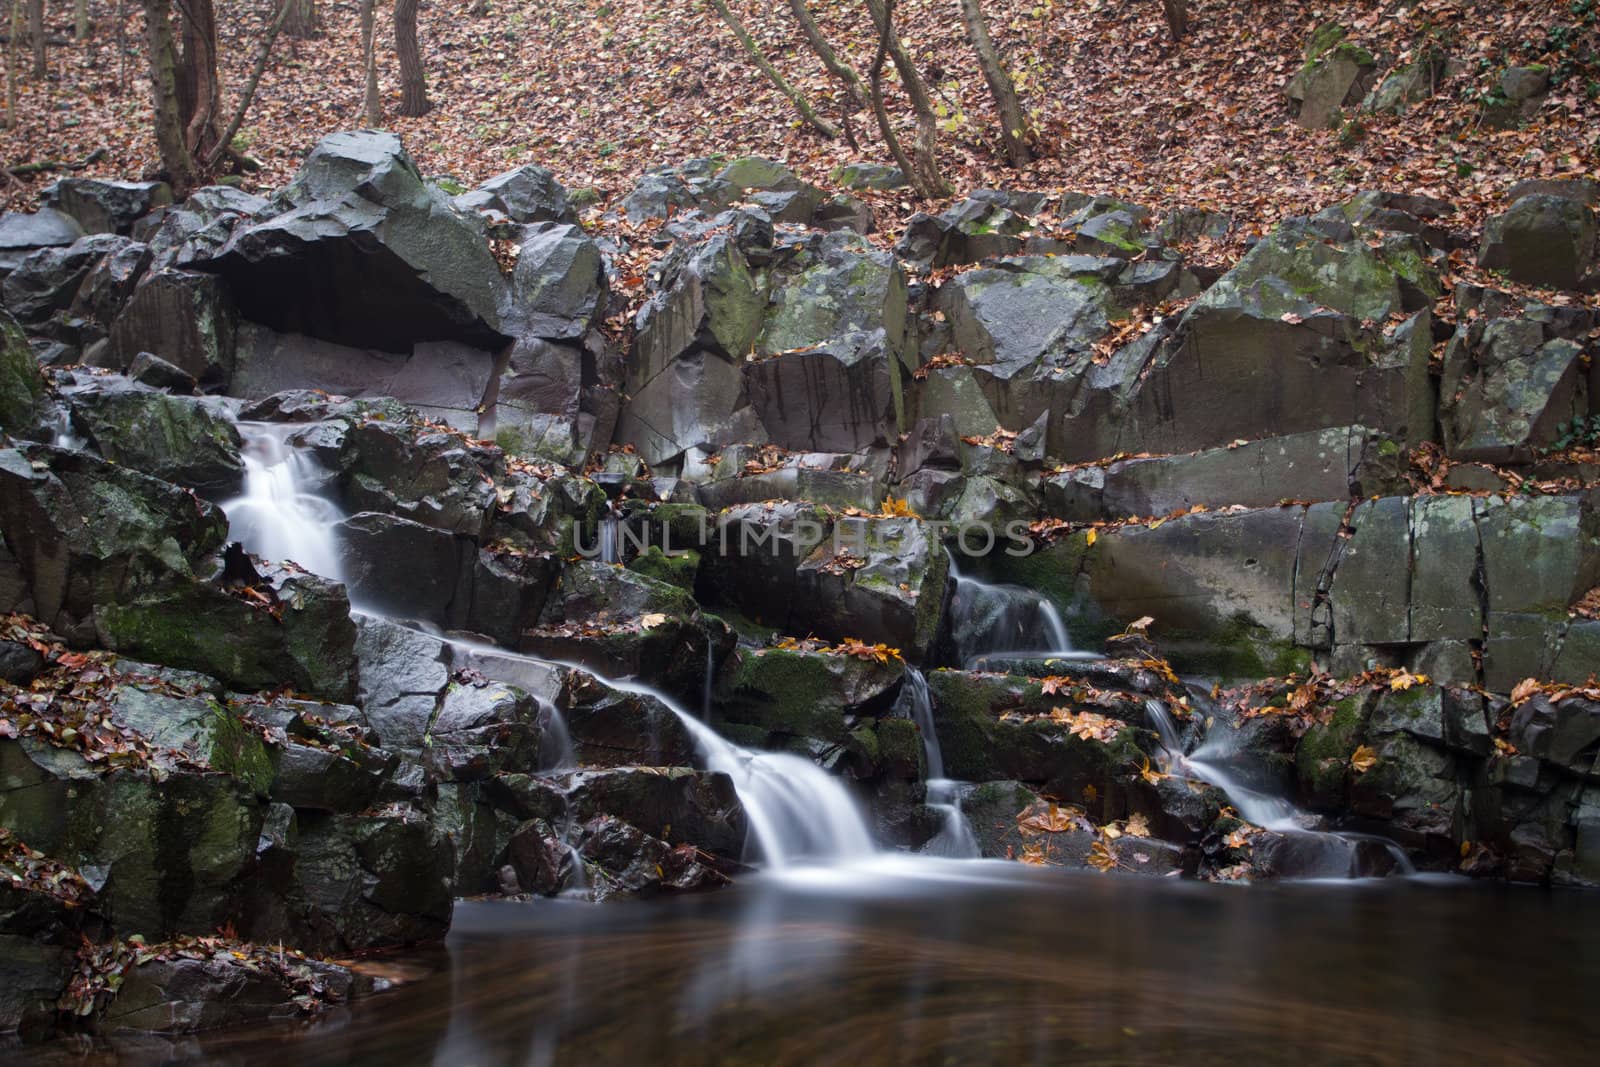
1581,432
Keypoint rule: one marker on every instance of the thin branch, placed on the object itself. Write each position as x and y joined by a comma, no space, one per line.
807,112
262,55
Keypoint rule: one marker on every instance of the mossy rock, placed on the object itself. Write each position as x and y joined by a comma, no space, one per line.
22,388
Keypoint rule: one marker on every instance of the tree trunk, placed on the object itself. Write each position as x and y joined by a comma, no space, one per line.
12,45
1177,12
830,59
1013,123
262,54
413,83
176,159
371,102
302,20
199,87
881,113
924,175
80,20
36,35
815,121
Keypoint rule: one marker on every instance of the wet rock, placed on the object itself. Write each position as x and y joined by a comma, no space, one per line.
101,206
105,290
167,857
302,636
781,698
1317,465
187,319
402,568
879,580
755,555
19,663
747,475
629,862
1409,84
1254,357
88,534
968,232
21,234
184,235
684,382
186,440
403,675
368,880
1541,240
180,996
677,805
982,743
528,194
366,254
22,388
47,281
444,380
481,730
414,473
612,727
877,176
558,290
1564,733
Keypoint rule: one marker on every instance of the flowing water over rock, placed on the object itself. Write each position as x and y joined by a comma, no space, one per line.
992,622
276,517
1313,853
955,838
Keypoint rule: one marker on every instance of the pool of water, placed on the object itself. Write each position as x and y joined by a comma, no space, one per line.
961,963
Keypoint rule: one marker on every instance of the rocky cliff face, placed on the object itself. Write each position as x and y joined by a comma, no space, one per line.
1355,514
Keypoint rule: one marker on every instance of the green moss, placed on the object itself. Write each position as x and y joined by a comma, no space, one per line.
21,385
1323,39
238,751
676,569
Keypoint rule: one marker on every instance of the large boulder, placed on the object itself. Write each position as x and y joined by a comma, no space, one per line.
1542,240
186,440
1337,73
22,388
558,290
1304,333
528,194
684,381
102,206
186,234
187,319
48,280
1507,384
22,233
366,254
787,698
90,535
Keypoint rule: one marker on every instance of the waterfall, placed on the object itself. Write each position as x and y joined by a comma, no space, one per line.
555,743
276,517
955,838
797,811
1208,763
711,668
610,545
62,435
990,621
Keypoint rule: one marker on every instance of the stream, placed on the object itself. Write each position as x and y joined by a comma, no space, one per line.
975,962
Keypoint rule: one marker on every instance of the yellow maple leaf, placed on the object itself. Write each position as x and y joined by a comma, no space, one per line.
1090,537
652,620
1362,759
1137,825
1524,691
1101,857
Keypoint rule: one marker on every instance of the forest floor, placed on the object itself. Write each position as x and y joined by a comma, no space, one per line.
601,91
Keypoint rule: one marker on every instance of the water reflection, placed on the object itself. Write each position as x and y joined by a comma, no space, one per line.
995,965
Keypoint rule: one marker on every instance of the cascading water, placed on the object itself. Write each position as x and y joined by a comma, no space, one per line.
63,436
1329,854
990,621
955,839
275,517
